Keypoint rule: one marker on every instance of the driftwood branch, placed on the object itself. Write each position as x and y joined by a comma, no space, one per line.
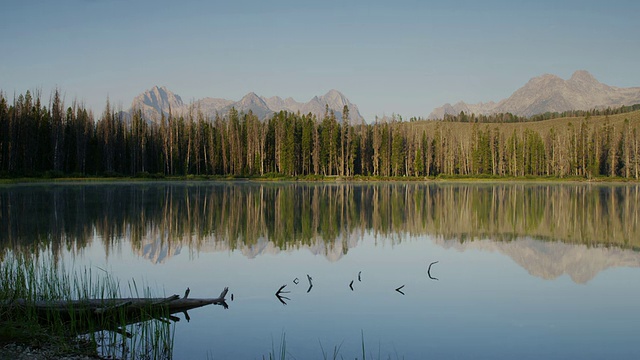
167,300
172,303
112,308
109,314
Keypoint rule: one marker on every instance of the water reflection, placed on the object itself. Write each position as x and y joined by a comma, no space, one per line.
162,219
550,260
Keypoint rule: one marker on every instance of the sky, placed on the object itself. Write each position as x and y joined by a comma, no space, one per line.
387,57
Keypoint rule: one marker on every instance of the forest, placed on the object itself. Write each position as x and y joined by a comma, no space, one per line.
52,140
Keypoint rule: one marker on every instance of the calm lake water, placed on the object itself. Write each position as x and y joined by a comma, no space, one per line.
524,271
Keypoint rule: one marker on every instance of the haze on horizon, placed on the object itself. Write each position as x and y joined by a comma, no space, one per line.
405,57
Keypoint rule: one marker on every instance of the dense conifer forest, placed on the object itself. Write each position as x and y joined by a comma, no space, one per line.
55,139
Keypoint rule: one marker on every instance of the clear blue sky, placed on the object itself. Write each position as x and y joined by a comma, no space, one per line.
403,57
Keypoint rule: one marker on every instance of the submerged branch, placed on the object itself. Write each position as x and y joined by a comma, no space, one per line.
281,297
310,283
429,271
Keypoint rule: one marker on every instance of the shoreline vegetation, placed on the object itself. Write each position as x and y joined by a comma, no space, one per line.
317,178
36,331
29,319
55,140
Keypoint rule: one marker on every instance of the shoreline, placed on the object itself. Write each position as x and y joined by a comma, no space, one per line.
323,179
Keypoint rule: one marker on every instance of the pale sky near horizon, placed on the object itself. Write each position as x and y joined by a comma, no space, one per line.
403,57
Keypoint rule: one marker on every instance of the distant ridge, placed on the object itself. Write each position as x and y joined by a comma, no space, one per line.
550,93
159,100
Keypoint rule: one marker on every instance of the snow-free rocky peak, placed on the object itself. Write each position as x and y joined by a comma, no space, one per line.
550,93
159,100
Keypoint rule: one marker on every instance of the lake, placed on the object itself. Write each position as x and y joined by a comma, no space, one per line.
410,270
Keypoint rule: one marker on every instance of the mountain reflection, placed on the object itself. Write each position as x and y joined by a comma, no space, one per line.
160,219
550,260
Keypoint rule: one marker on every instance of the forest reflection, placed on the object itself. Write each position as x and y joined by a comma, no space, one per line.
159,219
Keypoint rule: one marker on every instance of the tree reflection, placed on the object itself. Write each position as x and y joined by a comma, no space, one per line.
160,219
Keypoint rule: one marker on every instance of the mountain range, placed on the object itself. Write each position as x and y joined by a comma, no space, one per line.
160,100
550,93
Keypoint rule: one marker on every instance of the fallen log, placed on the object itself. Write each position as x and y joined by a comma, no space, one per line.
112,313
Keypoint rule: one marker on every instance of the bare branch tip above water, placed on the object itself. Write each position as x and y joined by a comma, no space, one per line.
429,271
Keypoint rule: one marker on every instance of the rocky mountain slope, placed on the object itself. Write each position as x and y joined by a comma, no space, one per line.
150,101
159,100
549,93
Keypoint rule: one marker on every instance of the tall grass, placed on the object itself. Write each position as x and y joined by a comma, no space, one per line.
282,353
334,355
44,280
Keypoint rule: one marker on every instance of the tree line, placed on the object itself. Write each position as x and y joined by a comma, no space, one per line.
39,139
512,118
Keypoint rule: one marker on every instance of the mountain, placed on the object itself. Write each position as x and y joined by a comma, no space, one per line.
159,100
276,103
250,102
455,109
336,102
550,93
211,105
